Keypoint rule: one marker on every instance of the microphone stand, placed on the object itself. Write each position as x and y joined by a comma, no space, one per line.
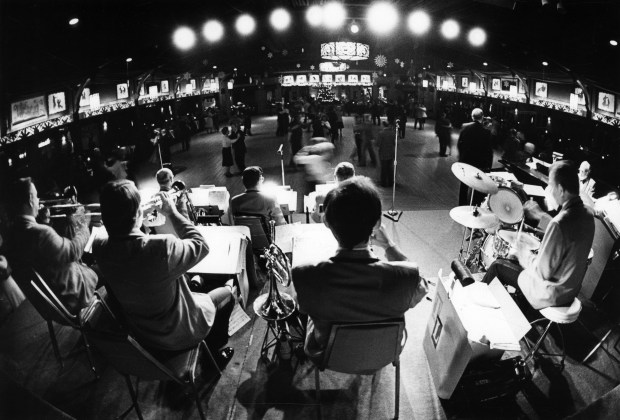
392,214
280,151
161,162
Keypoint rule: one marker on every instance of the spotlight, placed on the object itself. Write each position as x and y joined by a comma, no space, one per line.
129,59
382,17
354,28
450,29
73,21
485,64
314,15
245,24
280,19
184,38
613,42
333,15
477,37
213,31
419,22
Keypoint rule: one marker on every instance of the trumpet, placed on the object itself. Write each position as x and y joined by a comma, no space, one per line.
178,189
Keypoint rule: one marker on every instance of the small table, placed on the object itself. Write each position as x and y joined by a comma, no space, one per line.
228,255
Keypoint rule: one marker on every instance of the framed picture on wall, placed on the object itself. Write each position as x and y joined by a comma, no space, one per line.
606,102
142,90
122,91
496,84
541,89
27,109
581,96
314,78
56,103
165,88
85,98
506,84
464,82
193,82
521,87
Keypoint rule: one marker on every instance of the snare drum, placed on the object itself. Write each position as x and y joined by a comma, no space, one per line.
498,245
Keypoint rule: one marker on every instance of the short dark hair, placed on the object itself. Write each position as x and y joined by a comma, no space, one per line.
564,172
343,171
251,175
19,195
120,201
352,210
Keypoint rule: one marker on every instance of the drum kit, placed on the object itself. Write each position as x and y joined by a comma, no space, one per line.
500,219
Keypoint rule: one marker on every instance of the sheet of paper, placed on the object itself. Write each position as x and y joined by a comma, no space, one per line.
97,232
506,176
238,318
536,190
312,247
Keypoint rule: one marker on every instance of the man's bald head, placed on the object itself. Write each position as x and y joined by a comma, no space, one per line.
477,114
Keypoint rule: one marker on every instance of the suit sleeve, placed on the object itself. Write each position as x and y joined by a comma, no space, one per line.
188,250
61,249
275,212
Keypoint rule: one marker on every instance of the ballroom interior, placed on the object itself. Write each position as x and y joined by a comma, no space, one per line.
85,86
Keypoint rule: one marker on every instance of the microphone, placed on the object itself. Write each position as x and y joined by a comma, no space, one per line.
280,149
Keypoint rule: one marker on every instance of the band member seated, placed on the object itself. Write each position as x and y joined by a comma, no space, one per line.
254,201
57,259
354,285
146,275
165,178
343,171
553,277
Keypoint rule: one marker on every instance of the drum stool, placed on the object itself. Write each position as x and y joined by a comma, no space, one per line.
555,315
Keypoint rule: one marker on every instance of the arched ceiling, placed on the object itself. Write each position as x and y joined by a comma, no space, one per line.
41,52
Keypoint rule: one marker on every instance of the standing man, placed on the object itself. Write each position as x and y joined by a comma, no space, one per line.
387,153
474,149
57,259
147,275
354,285
553,277
443,129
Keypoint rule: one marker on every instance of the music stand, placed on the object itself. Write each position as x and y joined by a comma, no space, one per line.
280,151
392,214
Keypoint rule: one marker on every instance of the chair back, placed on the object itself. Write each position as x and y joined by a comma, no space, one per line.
43,298
258,229
363,348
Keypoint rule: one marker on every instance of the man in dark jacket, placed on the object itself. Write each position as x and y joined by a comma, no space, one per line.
474,149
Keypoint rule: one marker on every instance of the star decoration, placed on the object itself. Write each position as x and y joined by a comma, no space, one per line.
380,60
205,62
186,76
397,60
402,64
270,55
450,64
298,65
284,52
312,67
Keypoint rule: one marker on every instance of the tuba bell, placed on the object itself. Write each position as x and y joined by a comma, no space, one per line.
275,305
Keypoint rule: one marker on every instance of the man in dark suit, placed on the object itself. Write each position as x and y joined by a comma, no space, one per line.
253,200
354,285
475,149
57,259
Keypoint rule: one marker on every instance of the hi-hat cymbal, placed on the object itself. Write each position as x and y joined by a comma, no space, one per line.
474,217
474,178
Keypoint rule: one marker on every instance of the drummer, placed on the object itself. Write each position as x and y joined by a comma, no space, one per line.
553,277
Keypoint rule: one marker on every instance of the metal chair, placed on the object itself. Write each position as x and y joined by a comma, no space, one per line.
259,231
52,310
130,358
363,349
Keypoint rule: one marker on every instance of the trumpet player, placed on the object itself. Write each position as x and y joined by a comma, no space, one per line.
146,275
165,178
55,258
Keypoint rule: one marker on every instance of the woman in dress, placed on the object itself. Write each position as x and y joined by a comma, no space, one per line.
227,157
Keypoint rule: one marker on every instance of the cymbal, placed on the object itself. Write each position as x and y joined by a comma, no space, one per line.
474,217
474,178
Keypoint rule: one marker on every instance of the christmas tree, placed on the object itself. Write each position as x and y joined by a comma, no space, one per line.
325,93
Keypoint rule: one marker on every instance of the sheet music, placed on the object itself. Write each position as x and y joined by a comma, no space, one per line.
536,190
238,318
506,176
97,232
311,247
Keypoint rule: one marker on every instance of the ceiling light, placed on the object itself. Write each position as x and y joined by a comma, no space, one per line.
129,59
419,22
613,42
354,28
485,64
280,19
382,17
477,37
450,29
184,38
334,15
245,24
314,15
544,63
73,21
213,31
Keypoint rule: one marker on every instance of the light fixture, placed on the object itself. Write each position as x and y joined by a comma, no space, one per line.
245,24
544,63
184,38
419,22
334,15
73,21
477,37
354,28
314,15
280,19
450,29
344,51
331,67
213,31
485,64
129,59
382,17
613,42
